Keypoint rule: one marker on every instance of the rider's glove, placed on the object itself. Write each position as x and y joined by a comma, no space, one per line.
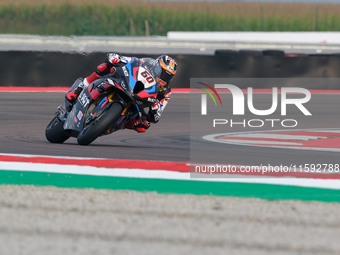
156,105
113,59
154,113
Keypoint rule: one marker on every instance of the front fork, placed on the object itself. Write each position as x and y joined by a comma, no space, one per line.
98,110
61,113
125,115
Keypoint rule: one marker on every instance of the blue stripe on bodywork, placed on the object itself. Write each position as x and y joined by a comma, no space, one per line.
152,89
104,99
120,120
132,81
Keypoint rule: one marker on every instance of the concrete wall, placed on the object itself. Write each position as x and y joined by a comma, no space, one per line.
43,69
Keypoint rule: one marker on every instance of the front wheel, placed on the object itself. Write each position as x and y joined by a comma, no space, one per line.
55,132
97,128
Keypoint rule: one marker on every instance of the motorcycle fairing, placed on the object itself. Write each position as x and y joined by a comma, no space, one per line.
142,72
136,73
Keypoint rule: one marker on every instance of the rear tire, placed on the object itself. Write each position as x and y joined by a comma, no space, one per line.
96,129
55,132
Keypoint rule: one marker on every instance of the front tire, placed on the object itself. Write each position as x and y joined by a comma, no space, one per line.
55,132
109,117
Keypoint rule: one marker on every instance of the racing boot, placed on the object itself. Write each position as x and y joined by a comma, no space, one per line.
137,125
142,126
72,97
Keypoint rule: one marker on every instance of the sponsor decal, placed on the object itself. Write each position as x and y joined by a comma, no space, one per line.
109,81
146,78
126,73
68,125
157,117
123,85
151,99
80,115
84,100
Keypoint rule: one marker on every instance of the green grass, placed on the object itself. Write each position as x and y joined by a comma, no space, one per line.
91,19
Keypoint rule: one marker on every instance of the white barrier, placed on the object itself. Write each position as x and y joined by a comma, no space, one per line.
259,37
178,42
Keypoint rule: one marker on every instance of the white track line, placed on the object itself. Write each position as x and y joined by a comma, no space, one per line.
162,174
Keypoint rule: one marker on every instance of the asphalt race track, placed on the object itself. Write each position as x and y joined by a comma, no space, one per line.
49,220
24,117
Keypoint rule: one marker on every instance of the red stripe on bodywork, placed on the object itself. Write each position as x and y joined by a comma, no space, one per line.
145,94
134,72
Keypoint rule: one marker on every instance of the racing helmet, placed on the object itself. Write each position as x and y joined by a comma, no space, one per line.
165,69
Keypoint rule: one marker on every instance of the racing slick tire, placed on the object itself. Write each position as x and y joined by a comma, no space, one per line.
55,132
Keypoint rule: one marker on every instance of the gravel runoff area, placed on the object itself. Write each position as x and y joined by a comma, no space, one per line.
49,220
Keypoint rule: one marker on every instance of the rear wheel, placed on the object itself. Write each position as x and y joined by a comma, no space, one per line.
97,128
55,132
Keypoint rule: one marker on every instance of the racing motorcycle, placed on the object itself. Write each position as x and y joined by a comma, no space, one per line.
106,105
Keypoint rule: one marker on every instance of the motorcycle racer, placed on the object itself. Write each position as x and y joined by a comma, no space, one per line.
164,68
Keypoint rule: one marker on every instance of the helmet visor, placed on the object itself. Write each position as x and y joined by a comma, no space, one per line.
166,76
